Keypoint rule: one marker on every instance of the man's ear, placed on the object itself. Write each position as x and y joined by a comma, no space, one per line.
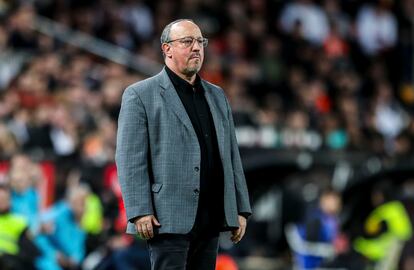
166,49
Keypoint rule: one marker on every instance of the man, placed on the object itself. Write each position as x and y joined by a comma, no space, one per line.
17,250
313,239
62,239
178,161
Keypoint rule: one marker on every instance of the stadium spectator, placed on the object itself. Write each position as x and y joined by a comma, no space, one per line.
310,17
17,250
313,240
25,201
386,228
62,240
376,27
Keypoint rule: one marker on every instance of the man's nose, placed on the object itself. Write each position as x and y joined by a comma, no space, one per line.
196,46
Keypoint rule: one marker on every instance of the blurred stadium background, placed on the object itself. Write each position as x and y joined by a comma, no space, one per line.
323,99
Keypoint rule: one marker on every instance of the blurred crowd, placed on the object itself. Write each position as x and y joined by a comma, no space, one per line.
300,74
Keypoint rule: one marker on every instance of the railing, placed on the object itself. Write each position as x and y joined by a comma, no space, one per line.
11,63
104,49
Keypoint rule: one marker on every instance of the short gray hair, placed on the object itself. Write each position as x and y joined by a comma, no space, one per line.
165,35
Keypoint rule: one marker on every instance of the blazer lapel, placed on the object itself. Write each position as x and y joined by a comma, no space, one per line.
213,104
173,100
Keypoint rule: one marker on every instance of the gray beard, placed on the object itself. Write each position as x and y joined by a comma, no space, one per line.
191,71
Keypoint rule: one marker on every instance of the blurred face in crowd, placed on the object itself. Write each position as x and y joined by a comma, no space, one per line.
4,200
20,162
330,203
77,200
19,180
184,54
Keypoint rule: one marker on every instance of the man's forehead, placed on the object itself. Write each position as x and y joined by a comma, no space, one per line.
185,28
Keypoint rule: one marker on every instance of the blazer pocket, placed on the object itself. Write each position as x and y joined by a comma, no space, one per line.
156,188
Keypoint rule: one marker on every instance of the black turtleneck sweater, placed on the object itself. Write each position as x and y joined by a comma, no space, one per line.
211,202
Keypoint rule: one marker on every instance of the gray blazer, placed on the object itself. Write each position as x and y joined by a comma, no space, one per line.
158,156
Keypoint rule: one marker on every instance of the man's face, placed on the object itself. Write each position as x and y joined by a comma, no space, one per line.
78,203
330,203
186,60
19,180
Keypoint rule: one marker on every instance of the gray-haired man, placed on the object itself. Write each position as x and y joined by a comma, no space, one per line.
178,161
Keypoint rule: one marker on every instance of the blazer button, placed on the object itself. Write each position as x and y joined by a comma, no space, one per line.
196,169
196,191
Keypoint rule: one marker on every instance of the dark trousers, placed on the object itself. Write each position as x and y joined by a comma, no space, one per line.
183,252
196,250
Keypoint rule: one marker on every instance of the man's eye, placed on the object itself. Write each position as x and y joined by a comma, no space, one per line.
187,41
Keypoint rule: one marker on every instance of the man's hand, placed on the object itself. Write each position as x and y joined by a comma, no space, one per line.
145,225
238,234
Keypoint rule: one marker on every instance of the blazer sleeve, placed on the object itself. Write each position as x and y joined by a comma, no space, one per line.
242,195
132,156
